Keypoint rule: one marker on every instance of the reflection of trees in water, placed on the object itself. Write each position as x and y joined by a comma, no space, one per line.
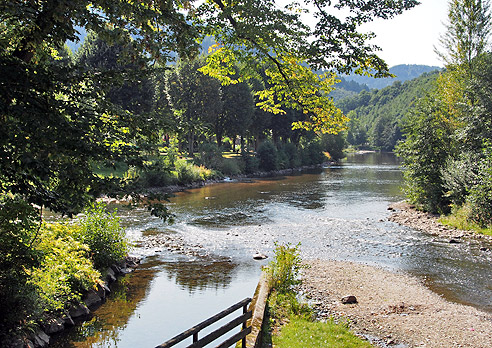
108,320
203,274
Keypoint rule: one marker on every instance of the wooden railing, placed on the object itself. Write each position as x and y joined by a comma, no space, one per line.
198,343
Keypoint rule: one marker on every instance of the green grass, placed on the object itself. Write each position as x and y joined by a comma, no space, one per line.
459,219
301,333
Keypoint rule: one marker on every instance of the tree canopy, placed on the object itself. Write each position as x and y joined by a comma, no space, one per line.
57,119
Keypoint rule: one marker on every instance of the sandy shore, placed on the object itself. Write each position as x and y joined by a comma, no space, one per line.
396,308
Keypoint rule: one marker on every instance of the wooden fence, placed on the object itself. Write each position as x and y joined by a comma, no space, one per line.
198,343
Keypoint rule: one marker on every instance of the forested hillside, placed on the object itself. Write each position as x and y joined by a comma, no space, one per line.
403,72
375,115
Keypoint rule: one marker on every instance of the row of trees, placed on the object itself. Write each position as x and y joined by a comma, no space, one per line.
189,105
447,153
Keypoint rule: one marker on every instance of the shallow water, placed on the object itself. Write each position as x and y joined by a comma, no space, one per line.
337,212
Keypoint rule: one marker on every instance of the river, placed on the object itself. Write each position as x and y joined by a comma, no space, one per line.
338,212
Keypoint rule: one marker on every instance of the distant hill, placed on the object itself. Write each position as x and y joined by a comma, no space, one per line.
402,72
375,115
346,89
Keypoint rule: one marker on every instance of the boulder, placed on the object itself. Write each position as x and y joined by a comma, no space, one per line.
53,325
110,275
78,311
259,256
350,299
67,320
92,298
40,339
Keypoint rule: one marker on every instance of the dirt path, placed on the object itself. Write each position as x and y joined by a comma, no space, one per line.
394,307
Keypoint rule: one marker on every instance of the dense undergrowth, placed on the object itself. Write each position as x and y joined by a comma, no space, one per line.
291,323
47,267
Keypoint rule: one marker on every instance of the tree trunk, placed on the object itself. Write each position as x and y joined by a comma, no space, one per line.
191,140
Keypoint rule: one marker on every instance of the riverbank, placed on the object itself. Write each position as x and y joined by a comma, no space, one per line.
396,308
405,214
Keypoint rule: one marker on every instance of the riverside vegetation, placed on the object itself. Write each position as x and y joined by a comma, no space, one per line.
291,323
55,263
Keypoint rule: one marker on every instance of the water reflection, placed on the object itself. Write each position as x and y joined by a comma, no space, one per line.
198,275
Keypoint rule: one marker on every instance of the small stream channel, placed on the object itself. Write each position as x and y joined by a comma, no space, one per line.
337,212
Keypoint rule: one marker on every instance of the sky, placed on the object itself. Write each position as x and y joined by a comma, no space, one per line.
410,38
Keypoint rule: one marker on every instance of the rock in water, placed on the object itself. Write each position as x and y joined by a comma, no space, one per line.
349,299
259,256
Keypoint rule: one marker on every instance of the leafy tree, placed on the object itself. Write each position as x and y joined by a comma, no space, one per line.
467,32
424,151
237,112
194,98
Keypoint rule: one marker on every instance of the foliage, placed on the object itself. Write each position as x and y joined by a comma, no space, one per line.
251,163
375,116
188,173
19,229
426,148
460,219
102,233
66,270
312,153
480,197
467,32
209,156
334,145
267,156
230,166
284,269
194,98
300,333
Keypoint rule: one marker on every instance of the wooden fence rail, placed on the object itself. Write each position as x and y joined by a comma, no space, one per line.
198,343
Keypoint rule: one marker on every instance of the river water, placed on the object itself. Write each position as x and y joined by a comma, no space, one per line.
338,212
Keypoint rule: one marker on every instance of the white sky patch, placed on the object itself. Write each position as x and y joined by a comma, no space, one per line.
410,38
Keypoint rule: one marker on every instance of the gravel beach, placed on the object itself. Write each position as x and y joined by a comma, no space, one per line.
395,309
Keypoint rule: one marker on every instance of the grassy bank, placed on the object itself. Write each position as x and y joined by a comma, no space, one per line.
460,219
291,323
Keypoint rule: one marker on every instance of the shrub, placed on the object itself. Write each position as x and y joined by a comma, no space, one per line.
480,198
230,166
267,155
292,154
102,232
210,156
156,174
312,154
250,164
19,226
284,269
66,270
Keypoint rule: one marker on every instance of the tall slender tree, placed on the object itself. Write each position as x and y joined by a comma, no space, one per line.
467,32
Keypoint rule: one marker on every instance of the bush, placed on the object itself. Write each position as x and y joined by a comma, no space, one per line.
210,156
230,166
188,173
102,232
156,174
312,154
334,145
284,270
267,155
66,270
480,198
292,154
250,164
19,226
